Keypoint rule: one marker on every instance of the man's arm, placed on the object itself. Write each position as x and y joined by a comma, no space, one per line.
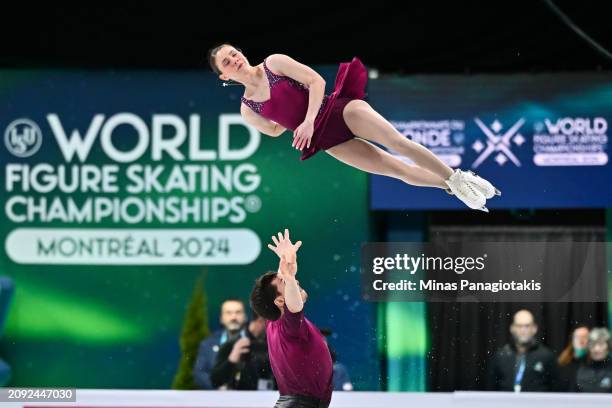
287,269
260,123
293,297
293,319
222,372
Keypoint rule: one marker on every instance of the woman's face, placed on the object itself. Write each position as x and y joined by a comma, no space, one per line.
599,350
580,338
230,62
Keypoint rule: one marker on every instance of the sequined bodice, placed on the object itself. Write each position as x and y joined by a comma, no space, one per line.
288,102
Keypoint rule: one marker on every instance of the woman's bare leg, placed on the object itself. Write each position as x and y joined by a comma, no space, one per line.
366,123
365,156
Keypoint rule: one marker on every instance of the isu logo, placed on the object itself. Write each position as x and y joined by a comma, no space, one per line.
498,142
22,137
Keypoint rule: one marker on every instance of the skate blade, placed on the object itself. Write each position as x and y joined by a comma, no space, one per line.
484,209
497,192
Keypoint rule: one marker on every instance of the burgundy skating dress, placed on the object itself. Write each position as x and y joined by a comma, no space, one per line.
288,105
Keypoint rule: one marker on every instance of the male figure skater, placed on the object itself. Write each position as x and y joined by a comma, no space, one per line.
299,356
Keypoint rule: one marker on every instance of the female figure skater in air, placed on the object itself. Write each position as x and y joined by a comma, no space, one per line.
281,94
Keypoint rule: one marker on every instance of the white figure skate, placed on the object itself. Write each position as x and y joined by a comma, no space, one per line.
482,185
466,192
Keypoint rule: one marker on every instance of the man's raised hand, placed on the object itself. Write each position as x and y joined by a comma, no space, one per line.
283,247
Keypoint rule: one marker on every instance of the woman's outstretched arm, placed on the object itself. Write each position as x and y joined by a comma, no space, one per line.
260,123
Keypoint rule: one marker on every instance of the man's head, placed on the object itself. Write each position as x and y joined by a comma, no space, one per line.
268,296
233,316
523,327
599,344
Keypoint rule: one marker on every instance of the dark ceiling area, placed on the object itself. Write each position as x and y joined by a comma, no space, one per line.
401,37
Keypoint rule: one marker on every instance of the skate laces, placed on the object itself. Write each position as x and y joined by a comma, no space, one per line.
465,183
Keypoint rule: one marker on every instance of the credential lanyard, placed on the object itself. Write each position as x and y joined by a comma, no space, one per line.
519,374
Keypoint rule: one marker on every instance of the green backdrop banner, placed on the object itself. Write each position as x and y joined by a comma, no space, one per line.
121,188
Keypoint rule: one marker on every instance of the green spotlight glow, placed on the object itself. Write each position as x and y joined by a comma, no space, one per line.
406,329
39,313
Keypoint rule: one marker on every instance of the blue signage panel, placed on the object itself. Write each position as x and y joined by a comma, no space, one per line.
542,139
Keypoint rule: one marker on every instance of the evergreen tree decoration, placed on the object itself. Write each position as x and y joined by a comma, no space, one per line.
195,329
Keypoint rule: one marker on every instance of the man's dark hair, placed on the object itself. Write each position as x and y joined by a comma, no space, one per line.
212,54
263,295
233,299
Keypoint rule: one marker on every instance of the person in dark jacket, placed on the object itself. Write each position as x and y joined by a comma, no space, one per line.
243,363
524,364
340,379
572,357
233,318
596,374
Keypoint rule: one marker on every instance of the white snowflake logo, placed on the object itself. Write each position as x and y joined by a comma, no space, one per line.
499,142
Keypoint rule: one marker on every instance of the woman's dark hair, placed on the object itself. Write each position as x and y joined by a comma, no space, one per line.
263,295
567,355
212,54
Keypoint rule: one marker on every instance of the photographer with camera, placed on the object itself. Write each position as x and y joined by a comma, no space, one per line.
243,363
